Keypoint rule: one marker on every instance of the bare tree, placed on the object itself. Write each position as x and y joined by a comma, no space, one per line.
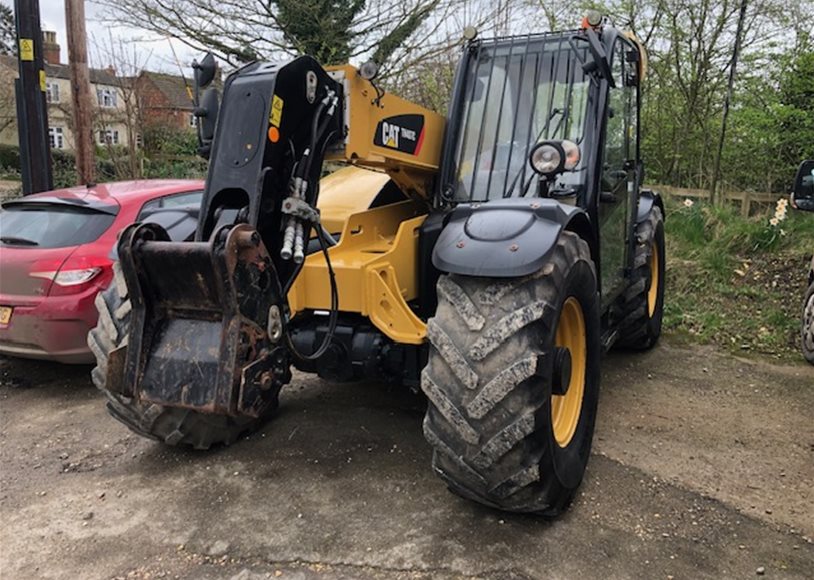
124,63
730,87
8,115
241,30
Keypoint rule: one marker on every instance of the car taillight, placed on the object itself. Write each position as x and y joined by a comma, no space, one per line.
75,275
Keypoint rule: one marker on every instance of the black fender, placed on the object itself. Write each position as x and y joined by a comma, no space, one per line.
647,200
505,238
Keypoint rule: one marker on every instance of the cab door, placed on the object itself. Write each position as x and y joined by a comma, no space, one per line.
618,184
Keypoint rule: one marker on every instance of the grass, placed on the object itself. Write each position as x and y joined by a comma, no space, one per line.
736,282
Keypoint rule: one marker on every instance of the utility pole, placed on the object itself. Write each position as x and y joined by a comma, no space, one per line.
714,194
80,91
32,110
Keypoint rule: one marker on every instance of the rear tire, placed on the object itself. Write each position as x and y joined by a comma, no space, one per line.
807,334
500,436
169,425
642,303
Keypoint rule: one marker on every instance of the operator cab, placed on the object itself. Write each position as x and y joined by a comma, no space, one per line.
513,94
552,115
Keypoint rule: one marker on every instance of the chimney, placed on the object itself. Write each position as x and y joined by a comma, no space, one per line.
50,48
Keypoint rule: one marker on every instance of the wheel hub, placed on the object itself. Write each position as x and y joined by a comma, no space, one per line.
562,371
568,380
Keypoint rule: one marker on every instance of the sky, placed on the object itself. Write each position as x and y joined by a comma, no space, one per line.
154,52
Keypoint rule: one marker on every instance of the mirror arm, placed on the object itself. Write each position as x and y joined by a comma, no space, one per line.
599,66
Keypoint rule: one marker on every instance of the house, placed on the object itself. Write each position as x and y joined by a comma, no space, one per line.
113,99
165,100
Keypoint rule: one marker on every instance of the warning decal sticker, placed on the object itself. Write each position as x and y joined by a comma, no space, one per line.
276,114
26,49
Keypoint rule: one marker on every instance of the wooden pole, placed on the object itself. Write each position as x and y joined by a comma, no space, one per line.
32,111
80,91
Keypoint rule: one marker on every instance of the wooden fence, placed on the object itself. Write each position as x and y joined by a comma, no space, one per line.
745,199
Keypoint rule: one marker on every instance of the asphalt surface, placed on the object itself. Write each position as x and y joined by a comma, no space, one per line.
703,467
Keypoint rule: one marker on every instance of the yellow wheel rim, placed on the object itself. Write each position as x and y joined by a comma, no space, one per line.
565,409
653,292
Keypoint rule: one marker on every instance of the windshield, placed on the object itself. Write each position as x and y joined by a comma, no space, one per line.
42,225
517,94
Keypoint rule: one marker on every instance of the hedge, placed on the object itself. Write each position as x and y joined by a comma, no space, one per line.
63,164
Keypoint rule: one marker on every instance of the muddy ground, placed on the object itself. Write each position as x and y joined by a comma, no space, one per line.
703,466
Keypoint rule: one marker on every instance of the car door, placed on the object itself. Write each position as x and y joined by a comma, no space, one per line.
617,188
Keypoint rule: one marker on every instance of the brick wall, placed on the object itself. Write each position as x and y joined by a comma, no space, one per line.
156,108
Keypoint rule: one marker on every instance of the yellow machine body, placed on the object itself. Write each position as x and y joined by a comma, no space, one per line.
348,191
375,261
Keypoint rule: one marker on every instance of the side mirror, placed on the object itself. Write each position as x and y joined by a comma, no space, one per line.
205,71
207,114
802,195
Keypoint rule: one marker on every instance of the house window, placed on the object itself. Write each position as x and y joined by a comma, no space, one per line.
193,120
56,138
52,92
106,97
108,137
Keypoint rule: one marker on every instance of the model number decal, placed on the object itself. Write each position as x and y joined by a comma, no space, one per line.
403,133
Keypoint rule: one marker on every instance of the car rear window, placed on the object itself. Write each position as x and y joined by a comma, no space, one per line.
184,201
37,225
178,214
180,225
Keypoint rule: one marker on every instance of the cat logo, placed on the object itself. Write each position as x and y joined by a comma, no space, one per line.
390,135
403,133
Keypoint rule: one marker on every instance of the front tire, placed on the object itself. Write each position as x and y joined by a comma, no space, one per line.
642,303
169,425
500,434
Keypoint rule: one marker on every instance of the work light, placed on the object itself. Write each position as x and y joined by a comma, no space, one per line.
551,157
547,158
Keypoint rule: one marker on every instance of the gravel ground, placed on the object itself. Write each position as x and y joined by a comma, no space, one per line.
703,467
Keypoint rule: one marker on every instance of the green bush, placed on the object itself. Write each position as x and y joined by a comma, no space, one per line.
63,166
164,140
734,281
10,157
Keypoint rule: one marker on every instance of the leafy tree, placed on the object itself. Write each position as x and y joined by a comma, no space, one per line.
796,109
321,28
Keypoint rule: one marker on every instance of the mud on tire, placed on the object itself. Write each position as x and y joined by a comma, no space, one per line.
170,425
641,306
489,384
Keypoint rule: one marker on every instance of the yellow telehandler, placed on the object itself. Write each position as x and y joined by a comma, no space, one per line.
487,258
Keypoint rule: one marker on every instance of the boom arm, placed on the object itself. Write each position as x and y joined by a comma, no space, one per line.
275,125
383,131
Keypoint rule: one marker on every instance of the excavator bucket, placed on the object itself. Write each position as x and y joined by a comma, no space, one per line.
203,318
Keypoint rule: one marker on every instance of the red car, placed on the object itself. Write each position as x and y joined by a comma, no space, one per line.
56,255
